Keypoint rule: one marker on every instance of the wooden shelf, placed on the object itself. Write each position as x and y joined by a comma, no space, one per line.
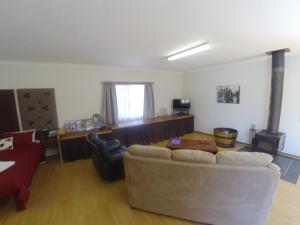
65,136
73,146
160,119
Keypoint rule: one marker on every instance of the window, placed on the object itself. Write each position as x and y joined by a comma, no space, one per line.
130,100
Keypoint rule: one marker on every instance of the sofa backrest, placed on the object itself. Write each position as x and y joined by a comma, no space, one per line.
231,158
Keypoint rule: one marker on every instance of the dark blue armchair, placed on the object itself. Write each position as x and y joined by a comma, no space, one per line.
107,157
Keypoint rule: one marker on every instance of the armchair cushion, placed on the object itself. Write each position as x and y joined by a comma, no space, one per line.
92,137
113,154
111,145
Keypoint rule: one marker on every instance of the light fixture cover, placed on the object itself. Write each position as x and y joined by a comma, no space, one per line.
189,51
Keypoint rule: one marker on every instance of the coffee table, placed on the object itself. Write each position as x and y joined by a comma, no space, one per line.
204,145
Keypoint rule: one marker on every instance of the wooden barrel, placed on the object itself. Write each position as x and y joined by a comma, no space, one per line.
225,137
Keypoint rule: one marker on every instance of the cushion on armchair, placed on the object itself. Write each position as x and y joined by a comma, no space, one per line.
112,144
92,137
114,153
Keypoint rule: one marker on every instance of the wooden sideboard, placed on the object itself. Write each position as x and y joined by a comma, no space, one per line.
73,146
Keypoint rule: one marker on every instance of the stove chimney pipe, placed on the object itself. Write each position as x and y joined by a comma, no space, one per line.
278,63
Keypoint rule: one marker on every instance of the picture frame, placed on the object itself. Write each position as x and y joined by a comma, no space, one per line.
79,126
97,121
89,124
67,126
73,126
229,94
83,125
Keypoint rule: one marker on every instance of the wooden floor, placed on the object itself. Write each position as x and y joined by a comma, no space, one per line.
72,193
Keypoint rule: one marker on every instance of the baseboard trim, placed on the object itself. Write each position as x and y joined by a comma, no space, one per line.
289,155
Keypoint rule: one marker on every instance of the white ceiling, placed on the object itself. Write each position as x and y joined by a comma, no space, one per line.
141,33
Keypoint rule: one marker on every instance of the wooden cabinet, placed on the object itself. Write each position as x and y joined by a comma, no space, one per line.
73,146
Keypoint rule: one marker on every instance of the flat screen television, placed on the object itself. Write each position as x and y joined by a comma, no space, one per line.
182,103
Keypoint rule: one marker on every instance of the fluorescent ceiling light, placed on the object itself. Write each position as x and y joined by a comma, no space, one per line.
189,51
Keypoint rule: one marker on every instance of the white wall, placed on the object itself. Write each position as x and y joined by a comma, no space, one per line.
254,77
79,92
78,88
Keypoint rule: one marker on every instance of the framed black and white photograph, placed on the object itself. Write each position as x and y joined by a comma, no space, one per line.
228,94
73,126
68,126
78,126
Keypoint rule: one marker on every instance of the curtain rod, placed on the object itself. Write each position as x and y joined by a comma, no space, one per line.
117,82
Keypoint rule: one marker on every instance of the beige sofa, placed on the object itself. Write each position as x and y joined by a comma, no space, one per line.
230,188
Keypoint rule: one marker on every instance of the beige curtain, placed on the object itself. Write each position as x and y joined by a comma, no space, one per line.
109,104
148,101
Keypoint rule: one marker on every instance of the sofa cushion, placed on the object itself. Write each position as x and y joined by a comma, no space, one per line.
198,156
244,158
150,151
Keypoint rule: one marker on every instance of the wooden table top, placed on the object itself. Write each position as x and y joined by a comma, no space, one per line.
72,135
65,136
204,145
141,122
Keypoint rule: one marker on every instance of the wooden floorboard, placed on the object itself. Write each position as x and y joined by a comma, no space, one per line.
72,193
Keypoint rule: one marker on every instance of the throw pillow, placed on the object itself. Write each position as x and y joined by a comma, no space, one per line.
244,158
23,137
6,144
198,156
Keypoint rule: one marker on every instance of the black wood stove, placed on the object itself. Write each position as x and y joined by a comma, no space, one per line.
271,140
